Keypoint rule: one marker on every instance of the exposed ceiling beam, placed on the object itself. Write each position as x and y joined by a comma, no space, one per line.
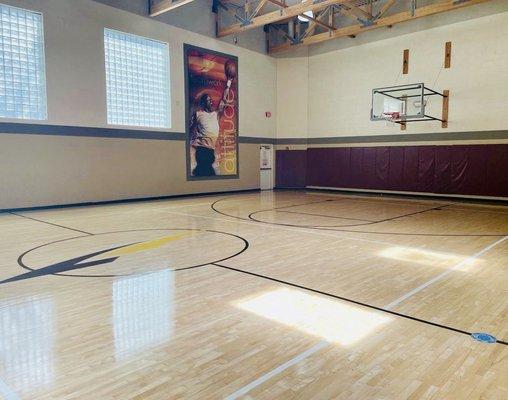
368,8
279,3
353,12
278,15
284,5
259,7
166,5
436,8
317,21
312,26
386,7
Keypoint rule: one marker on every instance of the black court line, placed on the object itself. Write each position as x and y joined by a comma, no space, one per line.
270,209
50,223
327,216
440,207
304,204
409,317
251,216
416,234
213,206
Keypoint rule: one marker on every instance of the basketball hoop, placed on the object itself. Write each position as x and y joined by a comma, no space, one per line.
391,117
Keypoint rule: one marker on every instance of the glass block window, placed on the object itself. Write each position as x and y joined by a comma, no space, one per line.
137,80
22,74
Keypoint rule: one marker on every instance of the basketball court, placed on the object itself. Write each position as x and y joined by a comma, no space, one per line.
176,257
258,295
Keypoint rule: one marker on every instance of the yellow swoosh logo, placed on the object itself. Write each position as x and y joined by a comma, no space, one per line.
150,245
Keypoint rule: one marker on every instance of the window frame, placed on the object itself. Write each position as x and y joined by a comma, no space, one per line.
43,89
167,77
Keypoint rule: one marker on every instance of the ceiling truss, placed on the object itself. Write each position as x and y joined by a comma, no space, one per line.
330,19
163,6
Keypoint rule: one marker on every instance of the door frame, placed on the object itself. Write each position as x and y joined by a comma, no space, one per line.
271,168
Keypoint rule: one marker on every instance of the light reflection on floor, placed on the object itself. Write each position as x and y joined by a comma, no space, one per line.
329,319
427,257
143,311
26,343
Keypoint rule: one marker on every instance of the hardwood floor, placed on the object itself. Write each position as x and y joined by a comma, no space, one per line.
271,295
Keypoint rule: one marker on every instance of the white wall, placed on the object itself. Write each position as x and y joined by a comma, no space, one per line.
75,65
340,82
292,97
41,170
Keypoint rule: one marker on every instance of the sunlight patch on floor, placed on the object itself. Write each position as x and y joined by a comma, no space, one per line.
331,320
426,257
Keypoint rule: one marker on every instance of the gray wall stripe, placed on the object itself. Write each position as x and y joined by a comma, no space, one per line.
414,137
250,139
62,130
122,133
293,141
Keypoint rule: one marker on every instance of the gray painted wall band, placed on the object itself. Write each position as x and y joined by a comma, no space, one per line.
293,141
62,130
251,139
415,137
115,133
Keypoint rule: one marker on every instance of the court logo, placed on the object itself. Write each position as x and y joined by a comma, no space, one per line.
128,252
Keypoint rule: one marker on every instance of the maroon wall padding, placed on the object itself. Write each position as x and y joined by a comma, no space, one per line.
461,169
290,168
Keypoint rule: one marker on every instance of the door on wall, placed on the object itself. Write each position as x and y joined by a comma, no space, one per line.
265,167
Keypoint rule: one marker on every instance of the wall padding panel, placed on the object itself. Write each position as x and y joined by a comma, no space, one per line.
460,169
291,168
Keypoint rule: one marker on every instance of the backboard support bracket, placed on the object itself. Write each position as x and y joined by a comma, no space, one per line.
444,114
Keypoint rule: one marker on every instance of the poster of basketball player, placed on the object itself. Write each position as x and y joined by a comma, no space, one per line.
211,89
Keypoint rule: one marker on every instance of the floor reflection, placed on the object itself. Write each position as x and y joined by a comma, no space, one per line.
26,343
426,257
142,311
332,320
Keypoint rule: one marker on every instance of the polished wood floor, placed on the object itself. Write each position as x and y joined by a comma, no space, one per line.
272,295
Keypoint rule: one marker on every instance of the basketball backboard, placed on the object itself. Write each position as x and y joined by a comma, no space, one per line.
407,100
404,103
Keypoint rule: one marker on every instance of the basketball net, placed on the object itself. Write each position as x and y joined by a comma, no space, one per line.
391,117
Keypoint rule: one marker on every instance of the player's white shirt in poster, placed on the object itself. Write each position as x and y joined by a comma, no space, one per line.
209,126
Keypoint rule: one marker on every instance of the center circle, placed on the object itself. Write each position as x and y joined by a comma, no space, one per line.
131,252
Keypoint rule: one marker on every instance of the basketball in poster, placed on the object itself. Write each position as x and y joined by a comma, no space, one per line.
212,113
